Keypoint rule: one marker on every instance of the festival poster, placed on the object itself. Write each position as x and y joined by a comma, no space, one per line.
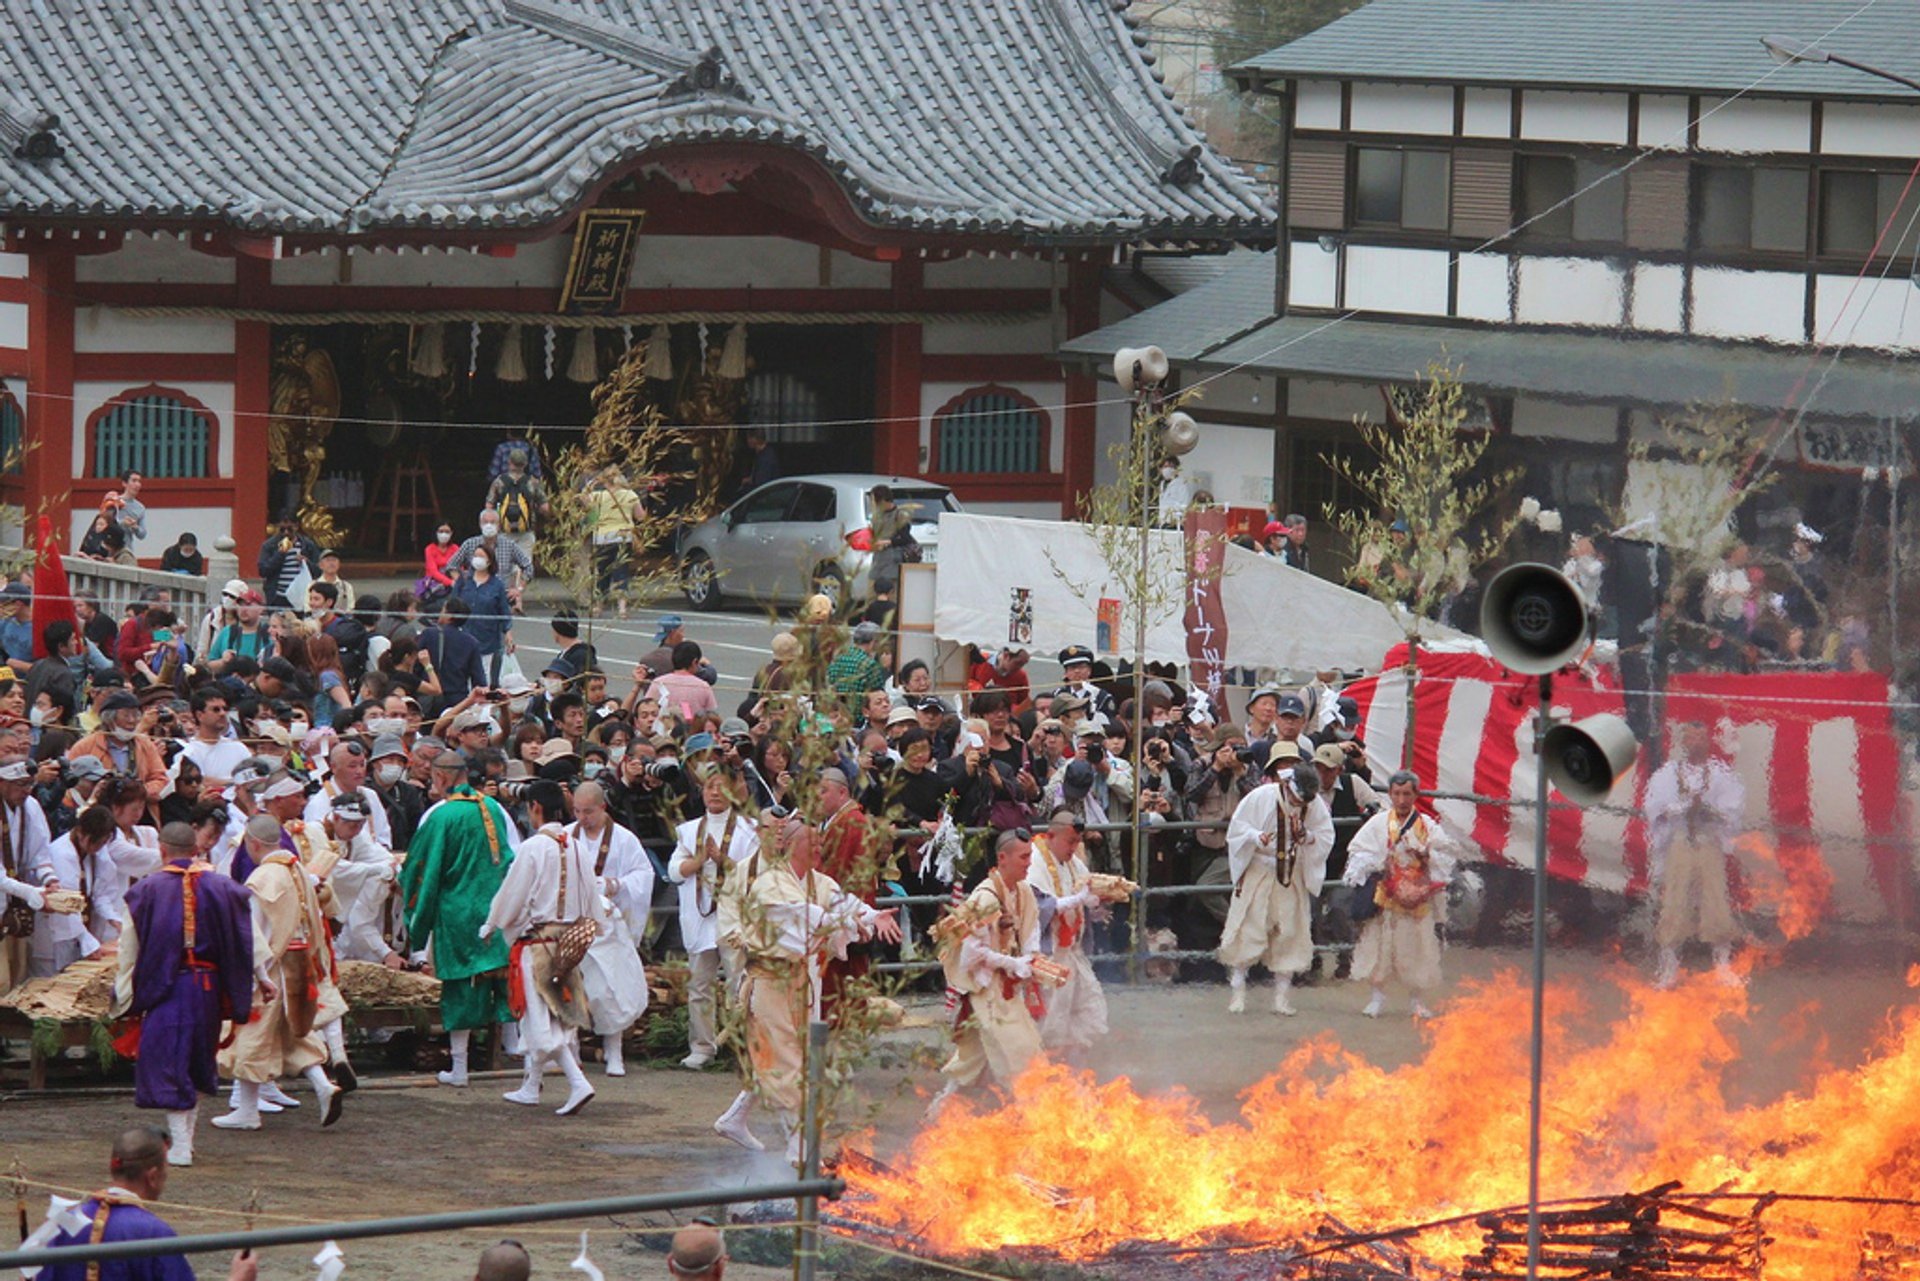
1106,627
1020,617
1205,533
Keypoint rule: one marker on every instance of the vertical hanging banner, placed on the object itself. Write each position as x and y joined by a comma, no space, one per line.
603,243
1106,626
1205,535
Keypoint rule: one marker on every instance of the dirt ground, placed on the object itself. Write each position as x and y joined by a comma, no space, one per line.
407,1147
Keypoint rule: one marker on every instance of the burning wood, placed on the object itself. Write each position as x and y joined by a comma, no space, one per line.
1630,1237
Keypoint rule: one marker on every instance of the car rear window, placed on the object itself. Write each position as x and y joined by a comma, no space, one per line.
923,505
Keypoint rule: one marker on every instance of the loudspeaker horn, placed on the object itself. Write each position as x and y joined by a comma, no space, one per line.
1586,758
1533,618
1181,435
1149,363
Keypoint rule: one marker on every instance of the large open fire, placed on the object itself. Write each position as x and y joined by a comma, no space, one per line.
1079,1167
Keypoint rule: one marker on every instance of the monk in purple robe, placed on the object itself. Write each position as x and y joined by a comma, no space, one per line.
118,1213
186,963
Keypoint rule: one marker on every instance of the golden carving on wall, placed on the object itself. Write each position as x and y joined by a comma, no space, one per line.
305,396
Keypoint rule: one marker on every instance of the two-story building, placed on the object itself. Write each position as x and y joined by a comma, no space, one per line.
1606,212
258,250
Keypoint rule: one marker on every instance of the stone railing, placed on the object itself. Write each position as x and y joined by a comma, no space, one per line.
116,586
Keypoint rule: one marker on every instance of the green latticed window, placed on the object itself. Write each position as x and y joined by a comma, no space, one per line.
162,434
990,430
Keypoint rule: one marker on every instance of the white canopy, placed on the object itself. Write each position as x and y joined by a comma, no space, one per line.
1276,616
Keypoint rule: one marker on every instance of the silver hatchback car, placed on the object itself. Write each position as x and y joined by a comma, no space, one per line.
799,535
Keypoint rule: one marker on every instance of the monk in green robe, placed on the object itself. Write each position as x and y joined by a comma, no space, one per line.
457,859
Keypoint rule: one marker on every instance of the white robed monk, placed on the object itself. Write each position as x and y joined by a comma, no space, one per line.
615,980
1414,859
1277,848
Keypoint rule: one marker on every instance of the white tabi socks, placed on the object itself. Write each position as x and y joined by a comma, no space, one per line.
180,1135
458,1041
272,1098
1376,1005
580,1091
344,1076
326,1093
733,1123
610,1050
1237,980
1282,1003
1723,967
529,1092
510,1040
246,1108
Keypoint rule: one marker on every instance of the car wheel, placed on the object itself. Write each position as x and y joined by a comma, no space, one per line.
831,581
699,583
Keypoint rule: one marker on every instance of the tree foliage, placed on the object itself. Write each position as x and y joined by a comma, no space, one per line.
1429,519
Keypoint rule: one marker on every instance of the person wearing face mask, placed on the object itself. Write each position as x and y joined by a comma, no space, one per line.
121,745
362,881
435,583
403,801
490,621
509,561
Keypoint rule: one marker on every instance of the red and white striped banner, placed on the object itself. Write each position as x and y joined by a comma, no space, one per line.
1815,750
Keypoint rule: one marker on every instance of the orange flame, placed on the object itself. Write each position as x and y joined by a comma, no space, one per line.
1078,1167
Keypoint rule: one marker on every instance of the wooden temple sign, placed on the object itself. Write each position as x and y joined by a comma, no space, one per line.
603,243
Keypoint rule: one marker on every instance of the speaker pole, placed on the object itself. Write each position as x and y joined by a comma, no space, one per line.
1537,1043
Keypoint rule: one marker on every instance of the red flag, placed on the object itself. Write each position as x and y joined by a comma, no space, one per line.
52,597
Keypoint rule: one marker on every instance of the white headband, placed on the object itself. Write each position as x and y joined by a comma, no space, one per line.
15,771
288,786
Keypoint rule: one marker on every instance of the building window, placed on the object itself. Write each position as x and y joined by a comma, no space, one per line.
1753,208
161,433
785,407
1568,199
13,436
988,431
1397,188
1855,205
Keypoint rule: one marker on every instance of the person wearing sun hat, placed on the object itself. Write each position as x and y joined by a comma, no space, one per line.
1277,848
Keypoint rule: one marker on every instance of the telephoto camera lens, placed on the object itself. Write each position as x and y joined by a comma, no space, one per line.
663,771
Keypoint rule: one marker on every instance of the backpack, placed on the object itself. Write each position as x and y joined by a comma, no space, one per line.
515,506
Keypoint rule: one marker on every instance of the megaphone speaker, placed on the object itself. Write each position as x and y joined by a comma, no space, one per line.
1181,434
1586,758
1533,618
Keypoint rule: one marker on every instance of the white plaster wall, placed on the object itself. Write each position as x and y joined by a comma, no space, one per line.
1051,397
1242,392
1556,420
1663,122
1483,287
1657,297
1488,114
723,262
166,524
1570,291
1234,464
1888,316
13,266
106,329
1312,275
1749,304
217,397
13,324
145,258
539,264
1863,129
1406,281
851,271
1033,336
1386,108
1317,105
977,271
1573,117
1751,124
1333,401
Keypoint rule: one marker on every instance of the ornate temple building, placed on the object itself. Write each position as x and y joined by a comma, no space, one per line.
277,254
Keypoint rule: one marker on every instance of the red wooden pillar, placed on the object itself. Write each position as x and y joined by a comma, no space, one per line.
252,402
896,401
48,467
1083,316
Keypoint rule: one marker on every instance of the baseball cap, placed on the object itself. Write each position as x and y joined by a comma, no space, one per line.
1290,705
388,745
1077,780
1329,755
